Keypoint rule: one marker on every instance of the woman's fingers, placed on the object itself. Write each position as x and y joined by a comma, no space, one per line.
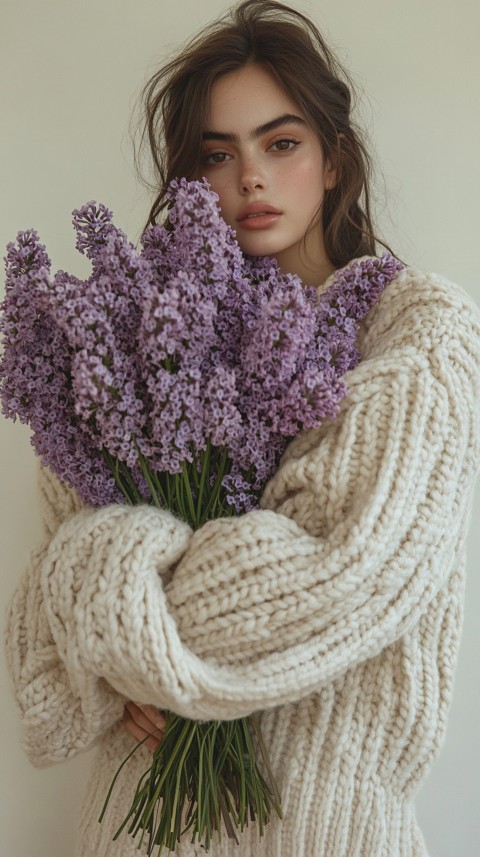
144,720
143,730
153,715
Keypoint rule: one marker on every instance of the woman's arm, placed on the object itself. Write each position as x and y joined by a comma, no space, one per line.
358,533
60,718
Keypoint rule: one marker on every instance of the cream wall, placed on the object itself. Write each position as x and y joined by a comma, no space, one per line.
69,75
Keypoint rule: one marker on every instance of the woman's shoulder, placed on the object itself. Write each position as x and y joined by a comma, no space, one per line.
431,289
423,309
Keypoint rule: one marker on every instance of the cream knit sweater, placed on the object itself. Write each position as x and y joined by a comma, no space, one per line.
335,609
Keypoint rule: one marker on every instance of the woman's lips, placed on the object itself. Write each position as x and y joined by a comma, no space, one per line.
259,221
258,215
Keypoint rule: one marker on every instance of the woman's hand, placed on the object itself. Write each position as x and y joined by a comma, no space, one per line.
143,720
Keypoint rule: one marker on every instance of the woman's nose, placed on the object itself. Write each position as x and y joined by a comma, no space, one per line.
252,176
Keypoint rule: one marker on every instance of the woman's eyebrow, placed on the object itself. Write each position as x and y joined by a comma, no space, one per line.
287,118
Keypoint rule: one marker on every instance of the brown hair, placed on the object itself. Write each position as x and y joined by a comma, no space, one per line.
290,48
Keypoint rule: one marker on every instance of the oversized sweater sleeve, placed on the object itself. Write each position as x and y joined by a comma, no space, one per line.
59,717
63,711
357,532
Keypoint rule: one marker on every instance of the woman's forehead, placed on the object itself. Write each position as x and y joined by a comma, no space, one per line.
247,99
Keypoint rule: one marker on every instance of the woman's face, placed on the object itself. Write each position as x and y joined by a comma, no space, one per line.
266,164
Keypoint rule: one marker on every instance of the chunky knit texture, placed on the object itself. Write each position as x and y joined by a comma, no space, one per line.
335,609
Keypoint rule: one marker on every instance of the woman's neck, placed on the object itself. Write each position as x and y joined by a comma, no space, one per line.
310,263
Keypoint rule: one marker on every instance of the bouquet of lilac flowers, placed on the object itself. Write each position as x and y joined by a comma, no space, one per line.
176,375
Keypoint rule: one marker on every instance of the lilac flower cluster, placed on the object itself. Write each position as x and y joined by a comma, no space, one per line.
296,348
36,384
179,345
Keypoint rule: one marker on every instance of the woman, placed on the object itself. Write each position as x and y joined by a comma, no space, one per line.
335,608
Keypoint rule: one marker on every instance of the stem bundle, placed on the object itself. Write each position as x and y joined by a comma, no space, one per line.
202,773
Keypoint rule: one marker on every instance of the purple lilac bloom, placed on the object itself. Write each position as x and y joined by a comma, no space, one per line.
35,383
185,326
100,318
92,224
155,243
204,242
314,391
354,290
102,376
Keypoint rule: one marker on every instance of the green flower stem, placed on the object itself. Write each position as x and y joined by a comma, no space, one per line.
203,478
216,489
166,770
188,491
117,774
180,771
123,478
148,479
266,761
159,488
193,471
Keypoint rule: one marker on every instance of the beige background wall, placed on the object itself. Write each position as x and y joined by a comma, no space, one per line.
69,75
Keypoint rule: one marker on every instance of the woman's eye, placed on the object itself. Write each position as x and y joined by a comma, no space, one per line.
284,145
216,158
